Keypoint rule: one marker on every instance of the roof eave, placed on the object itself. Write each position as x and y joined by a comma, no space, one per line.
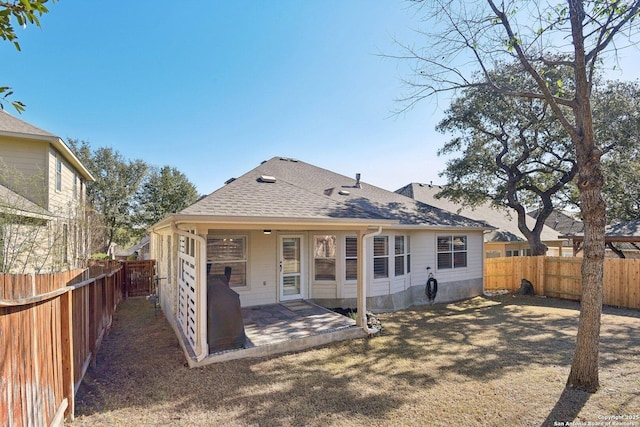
260,222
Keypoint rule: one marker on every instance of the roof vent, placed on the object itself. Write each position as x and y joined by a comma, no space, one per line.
358,181
344,192
229,181
267,178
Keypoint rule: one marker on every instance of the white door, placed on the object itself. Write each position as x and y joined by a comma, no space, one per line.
291,268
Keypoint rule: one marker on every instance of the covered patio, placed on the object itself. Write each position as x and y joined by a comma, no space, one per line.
285,327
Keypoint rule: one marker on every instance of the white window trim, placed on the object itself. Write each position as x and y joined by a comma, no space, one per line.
452,251
334,258
346,258
374,257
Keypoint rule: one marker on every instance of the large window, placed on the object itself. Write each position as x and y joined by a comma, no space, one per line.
228,251
380,257
402,257
452,252
351,258
325,258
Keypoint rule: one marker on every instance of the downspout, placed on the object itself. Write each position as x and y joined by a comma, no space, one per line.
362,288
202,296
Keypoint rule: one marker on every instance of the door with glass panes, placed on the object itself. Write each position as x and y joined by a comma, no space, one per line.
291,267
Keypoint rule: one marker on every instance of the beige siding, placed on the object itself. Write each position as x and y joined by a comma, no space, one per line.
29,160
61,200
423,255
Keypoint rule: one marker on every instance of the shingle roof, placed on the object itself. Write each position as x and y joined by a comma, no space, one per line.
304,191
10,124
562,221
626,228
505,222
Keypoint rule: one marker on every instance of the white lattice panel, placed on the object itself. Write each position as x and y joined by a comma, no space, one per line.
187,296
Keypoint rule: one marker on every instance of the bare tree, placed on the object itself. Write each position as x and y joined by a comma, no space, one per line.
581,36
32,238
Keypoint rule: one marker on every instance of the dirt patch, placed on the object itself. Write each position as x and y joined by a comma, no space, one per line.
486,361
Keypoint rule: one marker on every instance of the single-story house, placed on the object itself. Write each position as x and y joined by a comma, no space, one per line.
506,239
289,230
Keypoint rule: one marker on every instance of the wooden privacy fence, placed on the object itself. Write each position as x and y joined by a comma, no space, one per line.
51,326
561,277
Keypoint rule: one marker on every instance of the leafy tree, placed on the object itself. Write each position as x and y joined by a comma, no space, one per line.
571,36
112,195
24,12
617,109
514,153
166,190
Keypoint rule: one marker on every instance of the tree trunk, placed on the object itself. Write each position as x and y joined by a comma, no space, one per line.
584,367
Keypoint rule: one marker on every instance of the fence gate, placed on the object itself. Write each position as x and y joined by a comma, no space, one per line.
138,277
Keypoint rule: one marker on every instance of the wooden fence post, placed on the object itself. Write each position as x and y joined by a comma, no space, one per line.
541,265
66,332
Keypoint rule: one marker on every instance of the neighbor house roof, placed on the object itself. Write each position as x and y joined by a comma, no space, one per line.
15,204
288,188
16,128
626,231
564,222
504,221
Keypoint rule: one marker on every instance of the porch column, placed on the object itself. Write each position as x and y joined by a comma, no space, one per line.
361,282
363,238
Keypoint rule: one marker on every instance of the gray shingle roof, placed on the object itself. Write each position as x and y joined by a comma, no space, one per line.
10,124
504,221
562,221
304,191
626,228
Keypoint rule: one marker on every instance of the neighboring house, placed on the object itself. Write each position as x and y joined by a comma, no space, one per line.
622,240
290,230
506,239
564,222
40,176
139,251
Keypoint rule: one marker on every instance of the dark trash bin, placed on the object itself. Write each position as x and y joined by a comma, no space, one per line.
225,327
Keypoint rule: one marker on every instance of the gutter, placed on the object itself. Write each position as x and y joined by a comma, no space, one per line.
362,289
200,295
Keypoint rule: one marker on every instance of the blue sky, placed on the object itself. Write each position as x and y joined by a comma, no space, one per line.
215,87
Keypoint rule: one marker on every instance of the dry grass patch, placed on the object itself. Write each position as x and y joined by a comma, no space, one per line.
486,361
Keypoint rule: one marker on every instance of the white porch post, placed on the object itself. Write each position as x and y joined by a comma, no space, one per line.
361,318
362,271
201,289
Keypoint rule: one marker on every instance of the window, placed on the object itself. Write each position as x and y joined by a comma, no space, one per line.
380,257
351,258
58,174
452,252
399,255
324,255
228,251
